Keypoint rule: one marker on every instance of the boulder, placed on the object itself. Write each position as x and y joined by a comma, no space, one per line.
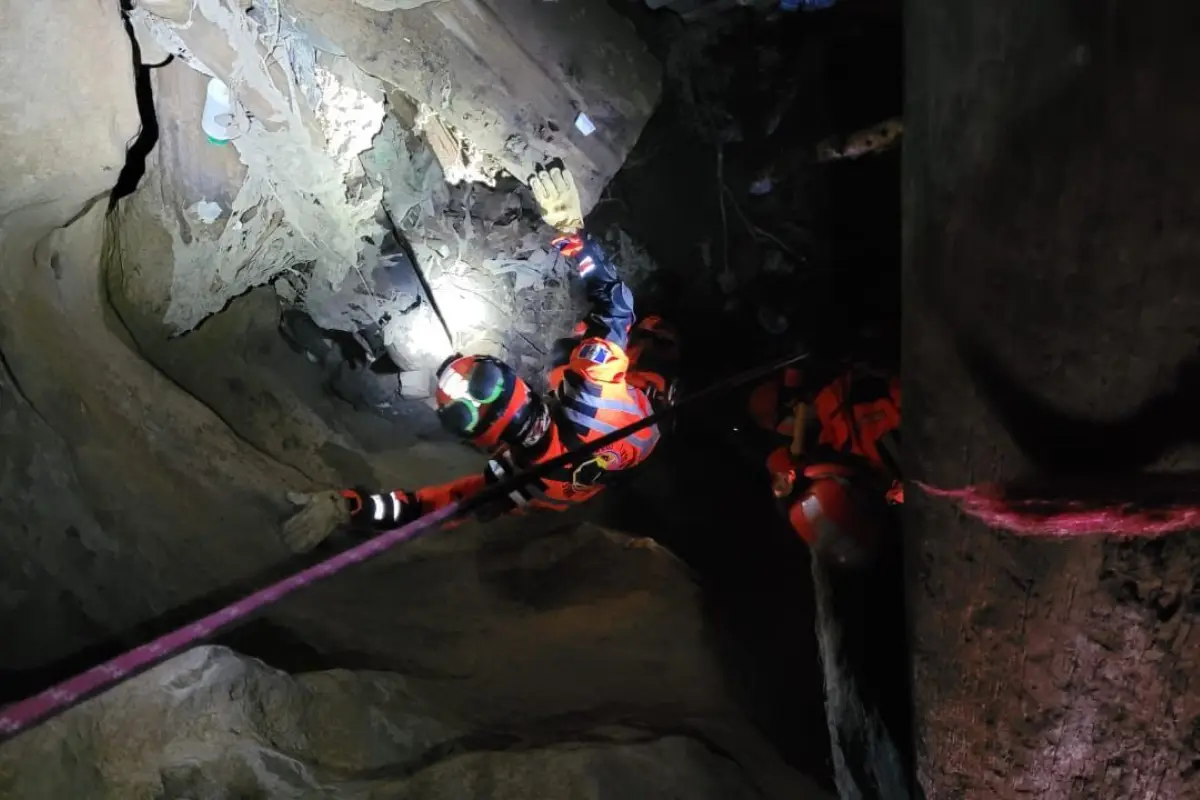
511,77
481,668
211,723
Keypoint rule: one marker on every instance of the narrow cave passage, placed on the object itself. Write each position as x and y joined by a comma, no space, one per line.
761,247
830,267
829,263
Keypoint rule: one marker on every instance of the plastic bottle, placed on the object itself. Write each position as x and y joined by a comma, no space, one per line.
218,112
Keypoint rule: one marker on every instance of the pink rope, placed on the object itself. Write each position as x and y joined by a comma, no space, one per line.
988,503
1061,517
25,714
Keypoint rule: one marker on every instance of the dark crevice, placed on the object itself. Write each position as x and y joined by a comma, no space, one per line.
142,145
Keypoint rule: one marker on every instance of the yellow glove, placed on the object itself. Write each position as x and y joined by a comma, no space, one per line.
556,195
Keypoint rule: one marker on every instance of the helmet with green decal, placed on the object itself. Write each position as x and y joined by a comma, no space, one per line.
482,399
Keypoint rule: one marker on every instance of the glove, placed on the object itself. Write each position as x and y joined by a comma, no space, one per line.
319,515
556,195
322,513
380,512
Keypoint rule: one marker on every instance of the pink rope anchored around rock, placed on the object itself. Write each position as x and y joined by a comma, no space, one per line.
1139,506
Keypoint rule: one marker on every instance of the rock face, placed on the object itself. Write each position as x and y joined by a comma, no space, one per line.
541,670
102,454
140,474
36,185
292,192
211,723
1051,300
511,76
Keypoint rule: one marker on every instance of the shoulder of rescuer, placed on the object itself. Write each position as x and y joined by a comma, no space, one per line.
592,395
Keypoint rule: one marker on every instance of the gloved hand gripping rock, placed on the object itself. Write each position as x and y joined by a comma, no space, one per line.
556,195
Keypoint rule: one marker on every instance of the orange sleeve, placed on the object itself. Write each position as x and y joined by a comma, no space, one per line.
435,498
501,466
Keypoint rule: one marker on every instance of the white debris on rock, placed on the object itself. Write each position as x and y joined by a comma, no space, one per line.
206,211
350,109
531,264
322,154
294,206
416,384
584,124
414,187
460,162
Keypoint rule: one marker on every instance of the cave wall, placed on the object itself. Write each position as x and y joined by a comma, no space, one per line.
488,662
493,87
137,478
211,723
1050,300
512,76
123,496
40,190
237,363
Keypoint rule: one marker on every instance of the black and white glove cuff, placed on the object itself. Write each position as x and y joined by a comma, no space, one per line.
383,511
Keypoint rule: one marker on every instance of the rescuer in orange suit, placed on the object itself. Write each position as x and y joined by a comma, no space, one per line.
840,461
853,417
611,374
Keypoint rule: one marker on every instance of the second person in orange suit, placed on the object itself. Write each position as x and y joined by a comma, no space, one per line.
834,459
853,418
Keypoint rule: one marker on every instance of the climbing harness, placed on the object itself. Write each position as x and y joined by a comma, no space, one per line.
27,713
